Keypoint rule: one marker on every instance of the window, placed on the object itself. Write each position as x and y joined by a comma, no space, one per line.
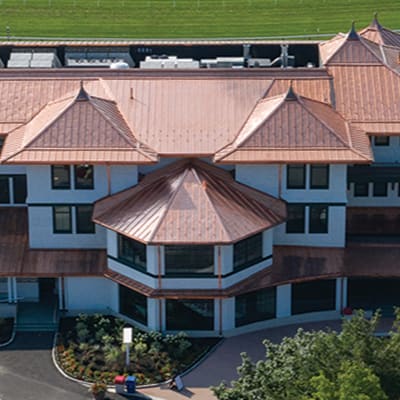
247,252
380,189
313,296
296,176
60,177
296,218
361,189
190,315
184,260
381,140
319,177
62,222
255,306
1,142
318,219
133,304
19,189
132,252
4,190
84,222
83,176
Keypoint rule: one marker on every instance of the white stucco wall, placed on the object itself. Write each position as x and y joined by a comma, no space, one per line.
41,232
123,177
284,301
89,294
12,169
28,291
387,154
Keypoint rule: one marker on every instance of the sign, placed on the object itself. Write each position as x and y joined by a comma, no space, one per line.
127,336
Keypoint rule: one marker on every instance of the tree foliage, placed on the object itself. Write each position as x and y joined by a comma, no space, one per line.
354,364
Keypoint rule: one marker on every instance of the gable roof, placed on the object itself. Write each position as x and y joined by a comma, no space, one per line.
289,128
376,33
350,49
76,128
189,202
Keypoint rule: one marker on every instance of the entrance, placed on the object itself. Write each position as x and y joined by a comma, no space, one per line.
47,289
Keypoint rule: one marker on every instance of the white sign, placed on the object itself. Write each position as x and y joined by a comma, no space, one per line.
127,336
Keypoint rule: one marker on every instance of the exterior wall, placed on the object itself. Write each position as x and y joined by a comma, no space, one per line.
89,294
336,236
391,200
387,154
123,177
41,233
28,289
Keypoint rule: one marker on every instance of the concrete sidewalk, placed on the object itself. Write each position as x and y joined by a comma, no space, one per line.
222,364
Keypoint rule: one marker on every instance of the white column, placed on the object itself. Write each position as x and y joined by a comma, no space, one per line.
284,301
15,292
60,293
153,314
345,292
228,314
9,290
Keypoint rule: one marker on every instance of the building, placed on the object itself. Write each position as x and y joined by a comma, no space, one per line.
214,201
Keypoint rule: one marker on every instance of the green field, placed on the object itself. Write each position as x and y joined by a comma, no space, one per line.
189,18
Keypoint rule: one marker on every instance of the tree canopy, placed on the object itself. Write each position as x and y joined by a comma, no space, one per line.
354,364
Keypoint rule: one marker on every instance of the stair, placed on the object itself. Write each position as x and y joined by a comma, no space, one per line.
31,327
37,317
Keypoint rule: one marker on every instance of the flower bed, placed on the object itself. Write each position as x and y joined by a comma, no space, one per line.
6,328
90,348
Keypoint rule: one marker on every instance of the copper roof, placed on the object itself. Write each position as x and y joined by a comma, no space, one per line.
77,128
350,49
16,259
189,201
375,32
289,128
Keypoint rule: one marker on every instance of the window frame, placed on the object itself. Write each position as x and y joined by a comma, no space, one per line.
130,261
77,185
303,208
247,247
310,215
53,175
313,168
92,229
290,167
58,231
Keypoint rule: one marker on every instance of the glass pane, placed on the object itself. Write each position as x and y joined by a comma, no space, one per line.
247,252
132,252
61,177
84,222
318,219
84,176
190,315
296,177
380,189
382,140
361,189
62,219
255,306
313,296
319,176
133,304
4,190
19,186
295,222
183,260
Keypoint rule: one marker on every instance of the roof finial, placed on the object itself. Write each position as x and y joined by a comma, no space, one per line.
353,35
290,94
375,21
83,94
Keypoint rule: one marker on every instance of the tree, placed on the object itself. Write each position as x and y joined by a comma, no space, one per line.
354,364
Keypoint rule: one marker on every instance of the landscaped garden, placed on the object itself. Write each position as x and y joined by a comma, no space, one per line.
90,348
6,328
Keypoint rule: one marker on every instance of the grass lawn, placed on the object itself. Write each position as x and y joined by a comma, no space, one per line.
189,18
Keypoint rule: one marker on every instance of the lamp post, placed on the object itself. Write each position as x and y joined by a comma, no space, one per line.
127,340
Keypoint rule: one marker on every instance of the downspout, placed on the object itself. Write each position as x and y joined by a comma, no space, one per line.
108,169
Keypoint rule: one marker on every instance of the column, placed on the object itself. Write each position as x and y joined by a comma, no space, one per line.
284,301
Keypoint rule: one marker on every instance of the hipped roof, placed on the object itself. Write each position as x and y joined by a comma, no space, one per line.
376,33
189,202
76,128
295,129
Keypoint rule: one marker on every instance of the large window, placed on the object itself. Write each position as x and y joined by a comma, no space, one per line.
188,260
296,176
313,296
380,189
247,252
132,252
319,176
296,218
381,140
62,219
361,189
318,219
84,222
133,304
4,190
255,306
190,315
83,176
19,189
60,177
